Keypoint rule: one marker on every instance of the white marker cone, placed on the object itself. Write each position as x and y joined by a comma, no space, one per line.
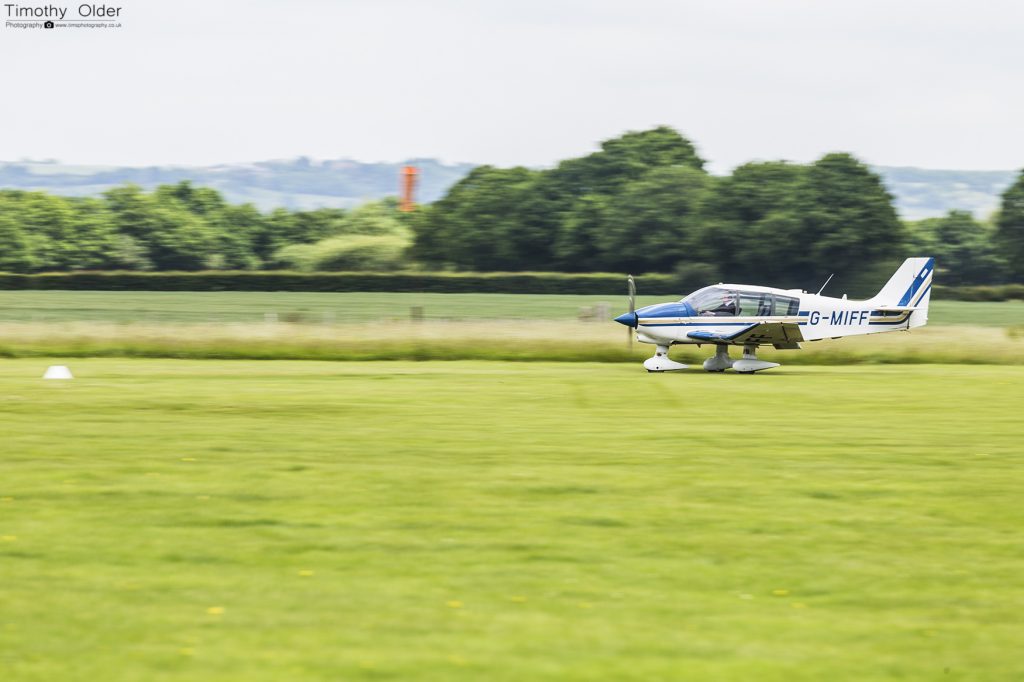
57,372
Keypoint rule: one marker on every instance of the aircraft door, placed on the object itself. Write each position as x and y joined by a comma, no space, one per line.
755,304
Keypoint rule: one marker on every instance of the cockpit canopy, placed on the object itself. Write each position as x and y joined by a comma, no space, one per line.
721,301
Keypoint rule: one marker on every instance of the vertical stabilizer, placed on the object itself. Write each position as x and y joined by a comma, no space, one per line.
909,285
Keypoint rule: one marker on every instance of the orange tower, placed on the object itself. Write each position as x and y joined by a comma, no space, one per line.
408,201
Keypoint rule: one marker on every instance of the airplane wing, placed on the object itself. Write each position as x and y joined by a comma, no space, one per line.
778,334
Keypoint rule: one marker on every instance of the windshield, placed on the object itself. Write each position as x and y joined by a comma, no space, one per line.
713,301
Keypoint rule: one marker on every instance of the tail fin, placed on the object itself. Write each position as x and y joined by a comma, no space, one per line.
910,287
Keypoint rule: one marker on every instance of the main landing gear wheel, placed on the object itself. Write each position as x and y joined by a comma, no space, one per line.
721,360
749,363
661,363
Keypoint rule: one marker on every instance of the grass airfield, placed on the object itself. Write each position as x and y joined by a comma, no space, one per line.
190,520
377,326
249,307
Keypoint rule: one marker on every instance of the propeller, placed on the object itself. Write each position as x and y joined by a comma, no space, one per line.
631,293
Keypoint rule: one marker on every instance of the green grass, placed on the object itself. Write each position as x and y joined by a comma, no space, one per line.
311,326
527,340
176,520
247,307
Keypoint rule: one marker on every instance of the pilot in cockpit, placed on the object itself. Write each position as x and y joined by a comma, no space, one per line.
726,306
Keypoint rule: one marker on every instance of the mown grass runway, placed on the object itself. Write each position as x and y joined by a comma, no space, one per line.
180,520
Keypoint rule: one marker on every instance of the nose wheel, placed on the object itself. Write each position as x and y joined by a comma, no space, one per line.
661,363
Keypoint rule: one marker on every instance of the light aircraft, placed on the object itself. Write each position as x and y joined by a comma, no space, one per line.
751,316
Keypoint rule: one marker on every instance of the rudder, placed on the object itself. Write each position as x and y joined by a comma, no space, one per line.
919,317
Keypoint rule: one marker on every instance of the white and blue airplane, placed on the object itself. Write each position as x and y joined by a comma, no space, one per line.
751,316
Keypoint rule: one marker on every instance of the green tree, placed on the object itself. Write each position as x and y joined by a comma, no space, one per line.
357,252
752,222
203,201
622,160
283,227
1010,225
128,253
577,247
48,224
93,236
239,229
848,224
474,225
518,219
56,233
174,237
373,218
130,209
654,223
964,249
178,239
15,247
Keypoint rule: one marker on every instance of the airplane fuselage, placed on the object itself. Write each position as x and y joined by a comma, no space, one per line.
752,316
798,315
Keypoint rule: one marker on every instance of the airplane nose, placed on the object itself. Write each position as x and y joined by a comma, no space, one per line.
628,319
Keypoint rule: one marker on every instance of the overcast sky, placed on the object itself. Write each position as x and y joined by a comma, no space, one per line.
925,83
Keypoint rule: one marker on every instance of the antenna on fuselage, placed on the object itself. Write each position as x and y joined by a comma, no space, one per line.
825,284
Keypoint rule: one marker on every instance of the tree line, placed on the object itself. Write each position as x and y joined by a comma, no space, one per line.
182,227
643,203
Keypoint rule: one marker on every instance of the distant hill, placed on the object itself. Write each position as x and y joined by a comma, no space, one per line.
294,183
923,193
304,183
